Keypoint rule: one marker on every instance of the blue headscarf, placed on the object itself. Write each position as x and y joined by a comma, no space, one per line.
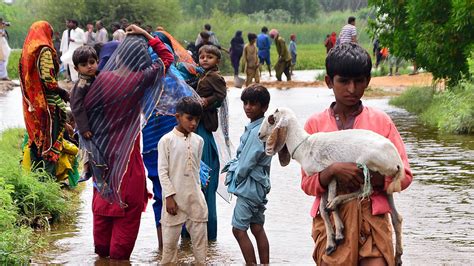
106,51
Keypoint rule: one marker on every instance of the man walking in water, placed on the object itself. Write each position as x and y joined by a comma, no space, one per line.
263,45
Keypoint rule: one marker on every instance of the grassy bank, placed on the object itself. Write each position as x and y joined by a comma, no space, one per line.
451,111
27,201
13,63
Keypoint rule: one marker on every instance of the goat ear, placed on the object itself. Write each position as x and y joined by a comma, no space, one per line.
280,137
284,156
276,140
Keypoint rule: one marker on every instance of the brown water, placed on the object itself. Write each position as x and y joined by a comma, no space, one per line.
437,207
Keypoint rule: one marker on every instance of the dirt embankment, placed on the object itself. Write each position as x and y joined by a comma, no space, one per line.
6,85
379,86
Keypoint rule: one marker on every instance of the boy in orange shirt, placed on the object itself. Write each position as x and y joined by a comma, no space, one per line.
368,236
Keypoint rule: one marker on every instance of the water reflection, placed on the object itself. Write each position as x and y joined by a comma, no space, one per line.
438,218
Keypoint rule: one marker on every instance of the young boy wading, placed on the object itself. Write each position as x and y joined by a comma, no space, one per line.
368,233
248,177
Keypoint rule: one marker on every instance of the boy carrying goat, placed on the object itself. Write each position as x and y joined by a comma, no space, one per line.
369,137
368,234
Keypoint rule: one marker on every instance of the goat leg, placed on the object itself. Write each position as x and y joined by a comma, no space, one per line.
330,242
332,189
341,199
339,227
397,226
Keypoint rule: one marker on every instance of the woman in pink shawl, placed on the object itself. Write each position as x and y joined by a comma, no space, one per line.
115,103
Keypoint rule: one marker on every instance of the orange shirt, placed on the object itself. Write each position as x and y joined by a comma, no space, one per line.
369,119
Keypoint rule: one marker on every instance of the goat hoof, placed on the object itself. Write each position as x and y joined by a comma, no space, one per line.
330,250
339,239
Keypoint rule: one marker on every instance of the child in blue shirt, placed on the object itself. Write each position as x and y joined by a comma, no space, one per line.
248,178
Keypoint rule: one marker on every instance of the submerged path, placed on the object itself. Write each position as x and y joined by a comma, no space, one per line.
437,207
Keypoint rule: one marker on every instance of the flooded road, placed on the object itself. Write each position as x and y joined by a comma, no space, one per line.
437,207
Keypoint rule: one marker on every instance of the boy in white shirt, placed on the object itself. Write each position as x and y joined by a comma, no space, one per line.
179,156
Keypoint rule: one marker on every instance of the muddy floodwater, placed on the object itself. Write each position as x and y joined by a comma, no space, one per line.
437,207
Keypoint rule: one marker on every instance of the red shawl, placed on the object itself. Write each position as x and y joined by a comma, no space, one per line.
38,117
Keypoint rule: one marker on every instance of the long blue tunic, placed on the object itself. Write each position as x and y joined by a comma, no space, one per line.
248,175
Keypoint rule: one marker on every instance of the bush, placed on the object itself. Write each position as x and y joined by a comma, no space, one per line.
26,200
414,100
13,61
37,195
451,111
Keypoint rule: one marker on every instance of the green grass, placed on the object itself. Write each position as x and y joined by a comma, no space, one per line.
13,61
314,32
27,200
451,111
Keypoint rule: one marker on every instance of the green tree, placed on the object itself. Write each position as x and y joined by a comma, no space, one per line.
154,12
437,34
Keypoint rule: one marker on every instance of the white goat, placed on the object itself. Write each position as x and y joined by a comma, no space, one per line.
315,152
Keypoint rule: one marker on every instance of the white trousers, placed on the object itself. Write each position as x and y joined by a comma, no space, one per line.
198,232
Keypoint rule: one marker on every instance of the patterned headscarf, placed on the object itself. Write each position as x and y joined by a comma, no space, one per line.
128,86
38,119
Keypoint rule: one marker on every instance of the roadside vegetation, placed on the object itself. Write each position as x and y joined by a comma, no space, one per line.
29,202
450,111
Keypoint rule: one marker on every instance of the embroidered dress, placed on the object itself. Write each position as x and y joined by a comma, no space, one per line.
43,108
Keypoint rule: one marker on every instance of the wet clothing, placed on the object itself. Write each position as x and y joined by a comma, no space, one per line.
116,228
370,234
114,106
197,231
178,167
210,156
155,129
264,43
251,65
375,213
284,59
246,213
44,109
248,177
212,87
